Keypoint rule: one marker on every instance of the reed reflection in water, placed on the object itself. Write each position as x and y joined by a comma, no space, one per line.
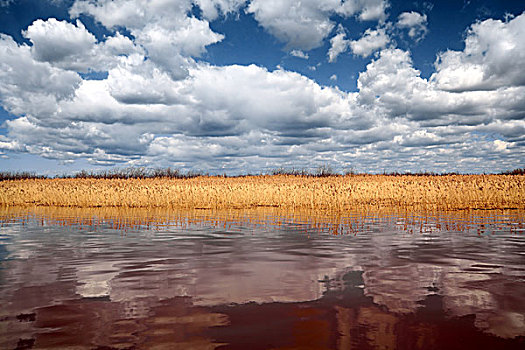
99,278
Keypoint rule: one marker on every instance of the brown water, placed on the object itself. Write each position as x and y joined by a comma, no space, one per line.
96,279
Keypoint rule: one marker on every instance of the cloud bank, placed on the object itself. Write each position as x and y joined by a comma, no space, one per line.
159,106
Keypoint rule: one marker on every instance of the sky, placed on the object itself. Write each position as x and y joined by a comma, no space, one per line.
247,86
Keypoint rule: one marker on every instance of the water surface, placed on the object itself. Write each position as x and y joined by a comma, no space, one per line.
102,279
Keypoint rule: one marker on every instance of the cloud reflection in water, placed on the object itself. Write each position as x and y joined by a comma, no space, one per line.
201,278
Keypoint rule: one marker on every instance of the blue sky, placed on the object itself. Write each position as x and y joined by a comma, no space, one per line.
243,86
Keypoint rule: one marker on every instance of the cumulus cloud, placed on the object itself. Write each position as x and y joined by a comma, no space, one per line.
366,10
211,9
167,30
301,25
54,41
169,36
391,82
338,44
370,41
159,106
71,47
494,57
10,145
305,24
282,102
415,22
299,54
128,115
30,86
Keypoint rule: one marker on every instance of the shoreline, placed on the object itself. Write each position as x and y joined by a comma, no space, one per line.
332,193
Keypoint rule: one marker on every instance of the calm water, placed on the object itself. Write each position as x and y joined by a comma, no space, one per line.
88,279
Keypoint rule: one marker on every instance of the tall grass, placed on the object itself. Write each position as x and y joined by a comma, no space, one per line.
284,191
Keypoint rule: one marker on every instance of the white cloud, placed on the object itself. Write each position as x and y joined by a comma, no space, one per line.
166,32
501,145
141,83
368,43
110,119
71,47
29,86
494,57
371,41
464,122
374,10
301,25
415,22
391,82
55,41
190,39
211,9
338,44
132,14
366,10
305,24
246,116
158,106
9,145
299,54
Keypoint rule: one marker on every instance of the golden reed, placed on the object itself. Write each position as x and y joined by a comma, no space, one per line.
283,191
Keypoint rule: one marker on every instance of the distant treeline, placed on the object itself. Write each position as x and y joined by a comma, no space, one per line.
116,173
144,173
519,171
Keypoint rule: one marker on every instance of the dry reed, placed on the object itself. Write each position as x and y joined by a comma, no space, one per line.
283,191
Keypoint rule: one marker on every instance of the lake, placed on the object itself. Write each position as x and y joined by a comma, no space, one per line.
261,279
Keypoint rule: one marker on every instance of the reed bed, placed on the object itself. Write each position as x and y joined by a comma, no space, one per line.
284,191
